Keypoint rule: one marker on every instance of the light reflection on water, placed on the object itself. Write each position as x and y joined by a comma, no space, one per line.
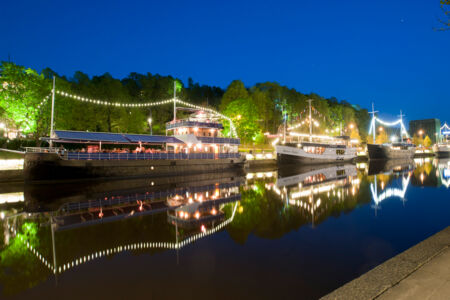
285,220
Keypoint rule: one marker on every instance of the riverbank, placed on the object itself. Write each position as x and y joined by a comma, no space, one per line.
421,272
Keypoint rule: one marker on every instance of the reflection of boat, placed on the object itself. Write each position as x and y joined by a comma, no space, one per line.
316,174
315,190
49,198
390,165
443,169
391,151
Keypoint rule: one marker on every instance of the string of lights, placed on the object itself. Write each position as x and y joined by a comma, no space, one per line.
147,104
390,192
43,101
389,124
127,247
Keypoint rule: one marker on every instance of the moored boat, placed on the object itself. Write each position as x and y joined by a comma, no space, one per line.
391,150
196,146
442,150
315,151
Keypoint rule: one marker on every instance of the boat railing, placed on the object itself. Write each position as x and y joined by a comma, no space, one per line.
218,140
146,156
186,123
42,150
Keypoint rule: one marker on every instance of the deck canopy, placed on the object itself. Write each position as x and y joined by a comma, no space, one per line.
66,136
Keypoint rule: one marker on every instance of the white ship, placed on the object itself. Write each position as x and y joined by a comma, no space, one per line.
336,149
442,150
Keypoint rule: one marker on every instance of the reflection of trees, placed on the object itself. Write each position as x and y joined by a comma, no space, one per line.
425,175
264,214
19,268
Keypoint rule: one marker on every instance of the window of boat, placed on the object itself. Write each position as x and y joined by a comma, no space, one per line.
314,150
340,172
340,152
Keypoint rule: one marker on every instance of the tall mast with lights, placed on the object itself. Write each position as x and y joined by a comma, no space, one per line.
310,120
373,121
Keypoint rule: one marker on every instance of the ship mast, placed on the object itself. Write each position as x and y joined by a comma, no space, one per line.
373,121
310,120
401,125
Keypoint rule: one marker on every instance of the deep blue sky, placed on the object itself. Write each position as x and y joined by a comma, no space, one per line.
361,51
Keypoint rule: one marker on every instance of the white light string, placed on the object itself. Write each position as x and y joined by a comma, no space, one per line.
145,245
147,104
43,101
390,192
399,121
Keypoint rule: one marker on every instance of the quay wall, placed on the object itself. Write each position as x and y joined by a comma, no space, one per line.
377,281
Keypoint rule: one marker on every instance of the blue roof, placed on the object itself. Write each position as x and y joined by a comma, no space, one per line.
91,136
122,138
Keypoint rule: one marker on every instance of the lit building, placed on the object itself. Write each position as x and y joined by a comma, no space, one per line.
422,128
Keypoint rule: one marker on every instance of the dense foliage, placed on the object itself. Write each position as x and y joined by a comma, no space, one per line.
256,110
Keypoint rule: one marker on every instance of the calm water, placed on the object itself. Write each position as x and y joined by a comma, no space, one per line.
278,233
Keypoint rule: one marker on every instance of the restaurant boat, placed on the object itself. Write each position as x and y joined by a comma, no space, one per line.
195,146
335,149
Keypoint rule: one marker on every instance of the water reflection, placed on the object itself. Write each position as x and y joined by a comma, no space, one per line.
49,230
318,188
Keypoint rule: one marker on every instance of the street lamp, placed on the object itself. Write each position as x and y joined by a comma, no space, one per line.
150,124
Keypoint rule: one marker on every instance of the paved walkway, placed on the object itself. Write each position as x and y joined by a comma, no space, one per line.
431,281
421,272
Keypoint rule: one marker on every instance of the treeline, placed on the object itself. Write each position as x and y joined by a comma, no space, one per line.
255,110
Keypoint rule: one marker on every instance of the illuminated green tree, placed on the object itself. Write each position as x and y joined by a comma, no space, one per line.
245,117
21,92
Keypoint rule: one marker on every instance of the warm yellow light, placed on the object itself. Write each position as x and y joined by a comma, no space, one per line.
351,126
380,128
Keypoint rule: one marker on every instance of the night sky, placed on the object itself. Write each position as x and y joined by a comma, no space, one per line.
361,51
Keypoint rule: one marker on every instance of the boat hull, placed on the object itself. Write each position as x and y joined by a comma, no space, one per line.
287,155
44,167
385,152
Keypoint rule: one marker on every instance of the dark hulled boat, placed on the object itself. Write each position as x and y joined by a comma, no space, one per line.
196,146
391,151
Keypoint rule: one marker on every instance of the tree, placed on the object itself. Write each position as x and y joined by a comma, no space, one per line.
354,135
244,116
263,106
236,90
382,137
417,140
445,21
427,141
22,90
